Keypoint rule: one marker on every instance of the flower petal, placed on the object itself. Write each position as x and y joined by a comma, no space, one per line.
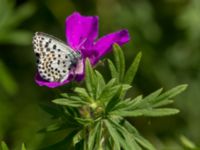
80,70
81,30
42,82
104,44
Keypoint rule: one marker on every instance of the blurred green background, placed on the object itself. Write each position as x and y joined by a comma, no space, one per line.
166,31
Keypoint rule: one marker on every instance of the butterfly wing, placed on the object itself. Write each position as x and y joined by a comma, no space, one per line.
55,59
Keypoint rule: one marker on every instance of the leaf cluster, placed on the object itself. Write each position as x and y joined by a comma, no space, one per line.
96,113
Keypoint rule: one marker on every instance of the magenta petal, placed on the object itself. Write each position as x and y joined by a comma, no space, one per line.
81,30
104,44
42,82
80,69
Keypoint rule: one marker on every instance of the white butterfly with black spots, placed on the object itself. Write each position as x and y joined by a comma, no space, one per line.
55,60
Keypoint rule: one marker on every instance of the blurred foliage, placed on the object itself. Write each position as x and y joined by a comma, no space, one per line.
166,31
11,18
5,147
188,144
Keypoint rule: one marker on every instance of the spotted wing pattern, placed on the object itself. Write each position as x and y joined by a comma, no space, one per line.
54,58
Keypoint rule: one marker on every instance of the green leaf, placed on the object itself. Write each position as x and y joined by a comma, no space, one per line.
114,101
127,136
140,139
171,93
100,84
82,93
128,104
187,143
53,127
133,103
162,103
64,95
4,146
119,60
90,79
93,135
113,70
145,112
153,95
130,74
122,104
69,102
145,102
114,134
84,121
105,94
109,94
99,136
78,137
143,142
23,147
125,87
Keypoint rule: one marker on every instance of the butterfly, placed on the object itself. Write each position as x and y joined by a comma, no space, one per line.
55,60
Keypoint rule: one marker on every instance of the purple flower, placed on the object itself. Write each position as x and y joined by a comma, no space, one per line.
81,33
